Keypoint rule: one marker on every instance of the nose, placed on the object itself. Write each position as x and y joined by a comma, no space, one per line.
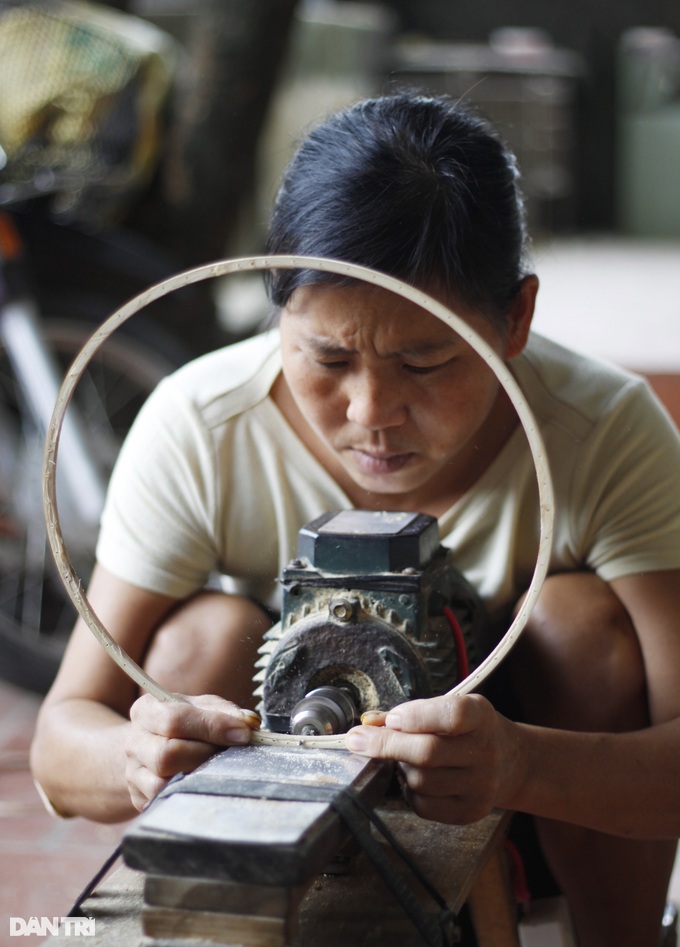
375,404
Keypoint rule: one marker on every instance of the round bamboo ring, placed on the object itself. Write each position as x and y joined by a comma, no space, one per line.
351,271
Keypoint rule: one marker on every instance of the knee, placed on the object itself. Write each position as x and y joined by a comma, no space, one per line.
579,613
209,644
208,619
580,643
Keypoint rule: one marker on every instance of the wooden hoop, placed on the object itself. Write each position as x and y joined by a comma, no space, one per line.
222,268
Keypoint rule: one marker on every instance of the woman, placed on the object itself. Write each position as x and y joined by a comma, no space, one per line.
363,399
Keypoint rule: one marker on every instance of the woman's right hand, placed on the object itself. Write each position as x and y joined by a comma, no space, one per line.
165,739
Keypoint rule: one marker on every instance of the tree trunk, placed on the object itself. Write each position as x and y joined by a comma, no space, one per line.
235,52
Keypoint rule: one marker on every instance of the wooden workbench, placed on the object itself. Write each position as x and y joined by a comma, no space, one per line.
464,863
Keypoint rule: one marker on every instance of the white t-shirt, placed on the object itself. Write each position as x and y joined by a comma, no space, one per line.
212,480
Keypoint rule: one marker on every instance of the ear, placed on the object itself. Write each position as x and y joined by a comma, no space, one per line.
520,316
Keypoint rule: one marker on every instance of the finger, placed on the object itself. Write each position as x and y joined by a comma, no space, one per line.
166,757
447,714
152,761
143,785
213,702
419,749
467,750
213,720
223,722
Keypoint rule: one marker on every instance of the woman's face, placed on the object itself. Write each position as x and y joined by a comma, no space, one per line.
389,398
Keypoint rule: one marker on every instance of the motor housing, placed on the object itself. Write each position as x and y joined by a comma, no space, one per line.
369,608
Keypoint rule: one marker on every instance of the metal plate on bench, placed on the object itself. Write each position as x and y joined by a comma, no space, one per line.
208,829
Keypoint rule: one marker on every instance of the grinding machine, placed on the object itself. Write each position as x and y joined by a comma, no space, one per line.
374,613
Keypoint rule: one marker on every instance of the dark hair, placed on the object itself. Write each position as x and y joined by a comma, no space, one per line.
416,187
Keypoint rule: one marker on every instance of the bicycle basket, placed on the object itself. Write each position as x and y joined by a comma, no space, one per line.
83,87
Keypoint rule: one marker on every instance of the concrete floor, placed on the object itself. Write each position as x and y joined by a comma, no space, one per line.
607,297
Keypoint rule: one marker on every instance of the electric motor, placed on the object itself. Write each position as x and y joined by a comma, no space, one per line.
374,613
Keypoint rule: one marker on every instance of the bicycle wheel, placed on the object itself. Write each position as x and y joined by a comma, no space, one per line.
36,615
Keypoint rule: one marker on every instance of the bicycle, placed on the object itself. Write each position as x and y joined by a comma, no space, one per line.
64,267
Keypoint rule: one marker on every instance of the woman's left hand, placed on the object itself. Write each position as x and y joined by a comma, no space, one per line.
457,755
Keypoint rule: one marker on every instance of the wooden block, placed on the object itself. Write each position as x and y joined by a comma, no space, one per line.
168,925
493,909
196,894
358,908
451,856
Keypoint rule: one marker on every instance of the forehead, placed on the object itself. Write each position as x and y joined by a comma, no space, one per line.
360,310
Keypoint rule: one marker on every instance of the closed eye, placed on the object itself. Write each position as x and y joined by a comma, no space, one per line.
426,369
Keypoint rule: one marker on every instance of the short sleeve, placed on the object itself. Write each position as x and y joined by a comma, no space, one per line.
158,520
626,495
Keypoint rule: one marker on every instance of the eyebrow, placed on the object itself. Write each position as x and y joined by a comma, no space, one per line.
430,348
328,348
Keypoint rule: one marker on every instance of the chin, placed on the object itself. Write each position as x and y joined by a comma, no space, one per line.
382,487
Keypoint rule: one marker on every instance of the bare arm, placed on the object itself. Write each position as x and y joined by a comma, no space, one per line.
460,758
87,755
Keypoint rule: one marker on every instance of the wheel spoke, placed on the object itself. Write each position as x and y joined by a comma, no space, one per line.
33,603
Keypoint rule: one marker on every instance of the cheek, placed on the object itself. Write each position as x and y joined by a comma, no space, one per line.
457,410
318,399
478,387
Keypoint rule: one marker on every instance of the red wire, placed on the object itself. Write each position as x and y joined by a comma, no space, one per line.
459,642
518,877
10,241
